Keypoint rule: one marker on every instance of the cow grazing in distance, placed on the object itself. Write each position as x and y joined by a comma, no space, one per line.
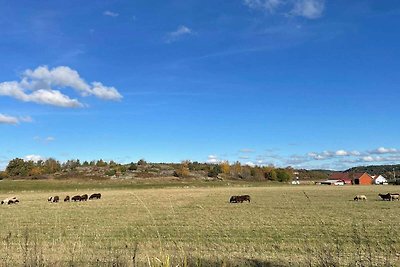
54,199
233,199
95,196
241,199
8,201
66,199
394,196
360,197
76,198
387,196
84,197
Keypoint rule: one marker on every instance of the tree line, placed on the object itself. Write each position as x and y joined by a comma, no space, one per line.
27,168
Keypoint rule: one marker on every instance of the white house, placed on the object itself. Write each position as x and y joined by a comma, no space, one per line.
379,179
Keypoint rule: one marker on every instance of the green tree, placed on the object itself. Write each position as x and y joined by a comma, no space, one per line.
283,175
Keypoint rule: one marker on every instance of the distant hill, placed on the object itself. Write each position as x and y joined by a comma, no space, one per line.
385,170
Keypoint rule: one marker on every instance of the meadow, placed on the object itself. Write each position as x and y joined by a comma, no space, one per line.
193,224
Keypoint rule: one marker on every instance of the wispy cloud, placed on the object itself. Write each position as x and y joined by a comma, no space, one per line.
44,140
246,150
33,157
310,9
110,14
384,150
213,159
178,33
5,119
43,86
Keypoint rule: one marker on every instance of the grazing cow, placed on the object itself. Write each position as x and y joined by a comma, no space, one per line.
233,199
360,197
66,199
95,196
9,201
387,196
54,199
76,198
84,197
241,199
394,196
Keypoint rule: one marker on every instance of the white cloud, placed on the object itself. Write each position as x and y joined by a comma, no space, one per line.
43,86
341,153
384,150
49,139
5,119
33,157
179,32
269,5
311,9
104,92
249,163
213,159
110,14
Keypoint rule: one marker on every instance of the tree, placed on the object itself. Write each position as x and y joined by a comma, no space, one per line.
225,167
214,171
18,167
132,167
101,163
283,175
182,170
141,162
51,166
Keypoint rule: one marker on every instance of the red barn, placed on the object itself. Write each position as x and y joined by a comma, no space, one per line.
362,178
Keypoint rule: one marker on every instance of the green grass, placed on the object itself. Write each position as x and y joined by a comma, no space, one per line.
193,224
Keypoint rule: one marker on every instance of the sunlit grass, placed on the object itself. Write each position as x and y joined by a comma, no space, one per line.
287,225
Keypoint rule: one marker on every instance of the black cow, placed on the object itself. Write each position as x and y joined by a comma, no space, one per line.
95,196
241,199
84,197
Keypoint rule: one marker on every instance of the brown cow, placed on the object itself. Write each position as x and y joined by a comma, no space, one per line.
76,198
84,197
95,196
66,199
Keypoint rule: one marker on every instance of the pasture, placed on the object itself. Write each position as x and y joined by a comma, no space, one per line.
195,225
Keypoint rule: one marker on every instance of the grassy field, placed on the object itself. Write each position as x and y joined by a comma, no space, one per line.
193,224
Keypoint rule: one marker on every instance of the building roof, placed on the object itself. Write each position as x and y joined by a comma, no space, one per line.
346,176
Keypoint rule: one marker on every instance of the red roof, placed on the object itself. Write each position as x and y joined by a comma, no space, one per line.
345,176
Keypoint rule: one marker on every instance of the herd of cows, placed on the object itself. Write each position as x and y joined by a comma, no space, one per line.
388,197
55,199
233,199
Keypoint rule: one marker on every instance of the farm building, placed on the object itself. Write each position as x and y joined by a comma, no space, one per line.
352,178
362,178
379,179
343,176
332,182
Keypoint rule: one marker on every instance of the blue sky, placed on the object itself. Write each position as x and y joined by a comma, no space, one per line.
305,83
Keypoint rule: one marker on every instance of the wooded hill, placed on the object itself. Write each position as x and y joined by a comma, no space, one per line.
385,170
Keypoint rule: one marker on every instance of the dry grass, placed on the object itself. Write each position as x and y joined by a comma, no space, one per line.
286,225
